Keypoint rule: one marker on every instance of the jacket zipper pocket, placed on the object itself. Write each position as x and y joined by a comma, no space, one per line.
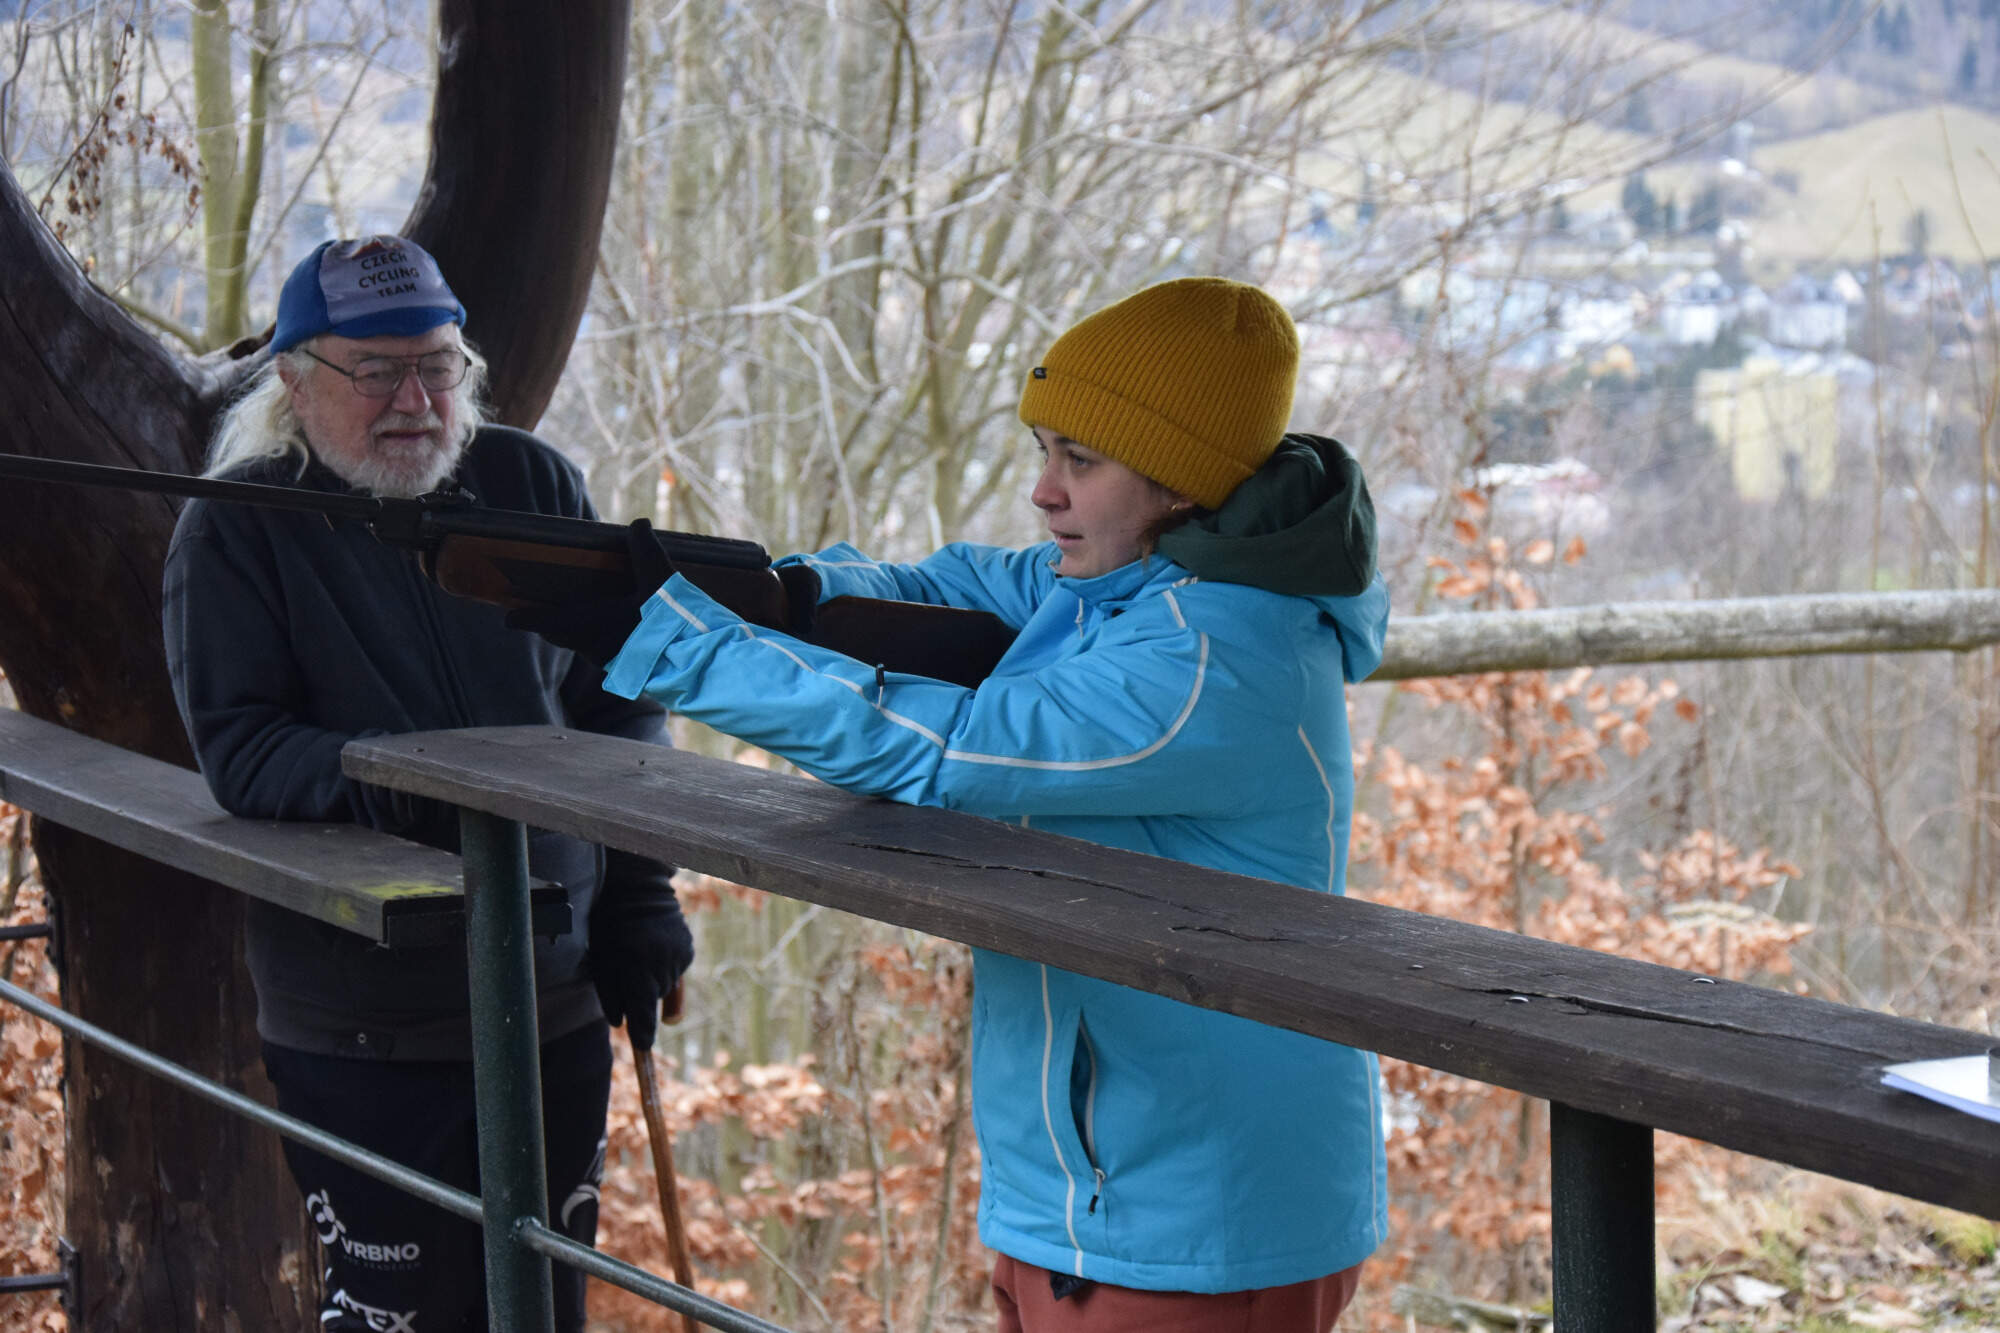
1086,1123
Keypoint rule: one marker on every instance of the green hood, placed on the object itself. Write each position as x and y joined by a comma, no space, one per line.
1302,525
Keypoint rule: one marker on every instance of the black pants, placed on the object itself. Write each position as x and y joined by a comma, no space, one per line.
395,1264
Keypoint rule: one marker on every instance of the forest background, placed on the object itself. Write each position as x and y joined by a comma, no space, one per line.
1539,255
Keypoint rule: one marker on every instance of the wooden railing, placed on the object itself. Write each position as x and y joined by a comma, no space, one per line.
396,893
1618,1047
386,889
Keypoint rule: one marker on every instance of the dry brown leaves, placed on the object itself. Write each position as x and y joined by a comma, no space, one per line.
829,1201
31,1119
1503,837
117,123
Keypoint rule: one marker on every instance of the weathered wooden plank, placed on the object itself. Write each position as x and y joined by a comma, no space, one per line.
387,889
1763,1072
1559,637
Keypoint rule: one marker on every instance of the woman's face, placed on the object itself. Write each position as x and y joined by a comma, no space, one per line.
1099,511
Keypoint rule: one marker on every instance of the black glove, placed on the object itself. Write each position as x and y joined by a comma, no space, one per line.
801,585
597,628
786,598
639,947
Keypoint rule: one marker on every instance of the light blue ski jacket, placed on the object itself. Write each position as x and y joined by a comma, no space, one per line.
1125,1138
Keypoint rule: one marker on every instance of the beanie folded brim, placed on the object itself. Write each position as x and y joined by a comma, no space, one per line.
1133,433
1187,382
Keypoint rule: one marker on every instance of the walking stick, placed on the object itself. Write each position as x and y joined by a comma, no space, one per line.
663,1163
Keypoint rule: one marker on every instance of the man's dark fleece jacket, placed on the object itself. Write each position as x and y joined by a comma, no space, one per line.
289,634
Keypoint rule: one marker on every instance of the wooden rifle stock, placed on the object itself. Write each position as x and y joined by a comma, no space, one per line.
943,642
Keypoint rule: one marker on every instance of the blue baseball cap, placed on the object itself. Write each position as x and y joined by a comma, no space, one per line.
373,287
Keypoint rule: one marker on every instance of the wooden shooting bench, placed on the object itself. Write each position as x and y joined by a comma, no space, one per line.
1618,1047
396,893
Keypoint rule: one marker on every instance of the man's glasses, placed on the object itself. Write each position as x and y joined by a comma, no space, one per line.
380,376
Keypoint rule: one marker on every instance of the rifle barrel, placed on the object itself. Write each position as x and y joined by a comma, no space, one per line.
421,521
174,483
684,548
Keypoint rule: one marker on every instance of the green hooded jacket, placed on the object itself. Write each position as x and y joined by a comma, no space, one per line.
1302,525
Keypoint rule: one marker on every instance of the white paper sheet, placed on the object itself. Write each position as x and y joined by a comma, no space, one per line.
1960,1083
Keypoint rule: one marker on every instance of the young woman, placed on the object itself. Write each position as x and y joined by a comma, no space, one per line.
1176,688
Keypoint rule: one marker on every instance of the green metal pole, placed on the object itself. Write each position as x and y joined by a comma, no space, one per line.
1601,1198
506,1069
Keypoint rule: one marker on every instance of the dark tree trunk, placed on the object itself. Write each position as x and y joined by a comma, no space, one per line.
523,131
183,1216
172,1206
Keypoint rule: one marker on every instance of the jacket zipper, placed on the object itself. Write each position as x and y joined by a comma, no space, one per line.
1049,1124
1088,1129
452,690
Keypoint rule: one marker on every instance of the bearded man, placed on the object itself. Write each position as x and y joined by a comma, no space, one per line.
290,634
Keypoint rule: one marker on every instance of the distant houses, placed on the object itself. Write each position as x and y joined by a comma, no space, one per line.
1777,422
1778,377
1808,312
1556,500
1696,309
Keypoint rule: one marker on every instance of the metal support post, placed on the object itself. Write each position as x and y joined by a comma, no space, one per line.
506,1069
1601,1188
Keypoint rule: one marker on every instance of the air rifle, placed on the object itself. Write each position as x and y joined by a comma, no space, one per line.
512,559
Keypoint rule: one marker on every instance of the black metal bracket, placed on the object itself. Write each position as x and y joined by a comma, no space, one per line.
69,1282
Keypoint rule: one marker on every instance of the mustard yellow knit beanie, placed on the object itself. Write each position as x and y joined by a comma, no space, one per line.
1187,382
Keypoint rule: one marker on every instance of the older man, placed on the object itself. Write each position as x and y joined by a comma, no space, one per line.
287,636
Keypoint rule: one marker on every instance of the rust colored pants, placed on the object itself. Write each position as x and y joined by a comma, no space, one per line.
1021,1291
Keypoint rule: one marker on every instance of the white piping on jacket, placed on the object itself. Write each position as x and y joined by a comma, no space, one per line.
750,633
1331,803
1116,761
684,613
1000,760
1088,765
1375,1181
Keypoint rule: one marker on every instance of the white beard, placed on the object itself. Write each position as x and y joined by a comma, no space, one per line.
399,472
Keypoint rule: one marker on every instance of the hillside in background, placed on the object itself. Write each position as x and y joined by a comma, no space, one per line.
1845,196
1858,188
1821,63
1677,82
1416,136
1833,132
1913,50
